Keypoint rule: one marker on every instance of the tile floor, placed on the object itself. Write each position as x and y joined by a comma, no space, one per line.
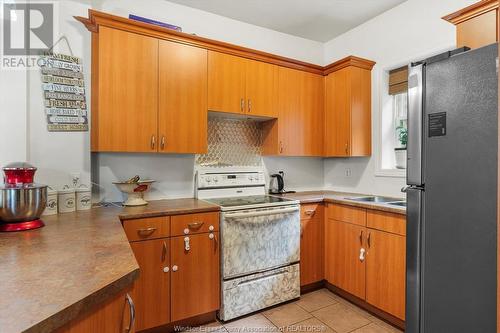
317,312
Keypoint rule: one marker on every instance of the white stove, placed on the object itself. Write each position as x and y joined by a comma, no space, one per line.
260,241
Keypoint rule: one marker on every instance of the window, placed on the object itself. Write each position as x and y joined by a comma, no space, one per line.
393,123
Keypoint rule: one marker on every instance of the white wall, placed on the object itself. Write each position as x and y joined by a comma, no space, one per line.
59,154
407,32
217,27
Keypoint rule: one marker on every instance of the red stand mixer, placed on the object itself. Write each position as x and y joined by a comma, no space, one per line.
21,200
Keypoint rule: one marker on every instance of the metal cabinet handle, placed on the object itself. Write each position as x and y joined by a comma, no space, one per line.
153,142
187,246
310,212
146,231
195,225
281,147
162,143
362,253
347,148
249,105
242,105
131,307
369,239
361,237
164,251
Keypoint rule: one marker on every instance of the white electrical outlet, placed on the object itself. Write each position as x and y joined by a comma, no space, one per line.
348,172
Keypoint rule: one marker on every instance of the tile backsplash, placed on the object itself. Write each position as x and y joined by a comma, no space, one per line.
232,142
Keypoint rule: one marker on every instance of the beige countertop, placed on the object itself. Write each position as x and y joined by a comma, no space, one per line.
340,198
51,275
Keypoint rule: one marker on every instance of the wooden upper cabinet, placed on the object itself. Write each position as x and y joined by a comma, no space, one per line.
151,292
476,24
195,275
386,272
261,89
348,112
226,83
182,117
239,85
127,92
299,128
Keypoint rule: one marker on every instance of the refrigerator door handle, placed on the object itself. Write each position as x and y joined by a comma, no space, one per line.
414,260
415,120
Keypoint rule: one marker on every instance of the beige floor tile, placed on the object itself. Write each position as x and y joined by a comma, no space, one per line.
387,326
341,318
256,323
312,325
316,300
372,328
213,327
286,315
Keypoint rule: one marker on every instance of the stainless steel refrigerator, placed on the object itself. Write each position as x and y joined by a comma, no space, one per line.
452,193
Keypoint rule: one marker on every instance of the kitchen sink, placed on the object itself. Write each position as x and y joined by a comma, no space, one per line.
375,199
398,203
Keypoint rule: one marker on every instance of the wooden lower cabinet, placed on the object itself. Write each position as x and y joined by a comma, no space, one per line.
195,275
179,276
111,316
378,276
151,292
343,266
386,271
311,245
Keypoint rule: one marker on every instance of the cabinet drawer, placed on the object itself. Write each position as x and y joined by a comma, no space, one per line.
150,228
309,211
347,214
194,223
394,223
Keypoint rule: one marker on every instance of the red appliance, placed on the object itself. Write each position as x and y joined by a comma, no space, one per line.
21,200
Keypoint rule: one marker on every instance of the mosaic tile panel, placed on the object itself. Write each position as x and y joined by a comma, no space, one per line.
232,142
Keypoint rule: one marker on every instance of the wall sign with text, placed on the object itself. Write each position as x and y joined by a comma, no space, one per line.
64,93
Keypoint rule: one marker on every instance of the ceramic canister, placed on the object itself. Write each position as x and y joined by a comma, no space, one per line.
83,198
51,207
67,199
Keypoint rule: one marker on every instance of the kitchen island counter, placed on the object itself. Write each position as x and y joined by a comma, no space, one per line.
52,275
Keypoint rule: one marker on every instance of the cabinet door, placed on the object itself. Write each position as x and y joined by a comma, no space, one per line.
112,315
344,268
300,113
261,89
226,83
195,275
127,93
385,272
338,113
151,291
312,250
183,99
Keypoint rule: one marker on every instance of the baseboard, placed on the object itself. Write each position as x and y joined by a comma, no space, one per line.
390,319
177,326
312,287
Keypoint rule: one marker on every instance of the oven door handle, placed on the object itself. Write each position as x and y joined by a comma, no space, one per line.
262,212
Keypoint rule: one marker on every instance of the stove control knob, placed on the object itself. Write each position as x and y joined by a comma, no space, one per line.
208,179
216,179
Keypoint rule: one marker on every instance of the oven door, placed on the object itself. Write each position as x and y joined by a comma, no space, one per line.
257,240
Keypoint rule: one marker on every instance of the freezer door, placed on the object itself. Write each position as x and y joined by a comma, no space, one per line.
460,199
413,259
415,111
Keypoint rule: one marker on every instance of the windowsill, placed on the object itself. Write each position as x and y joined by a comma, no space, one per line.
394,173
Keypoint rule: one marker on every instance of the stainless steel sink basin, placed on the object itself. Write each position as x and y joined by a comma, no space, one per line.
375,199
398,203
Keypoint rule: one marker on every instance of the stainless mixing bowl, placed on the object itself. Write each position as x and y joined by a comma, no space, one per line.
22,203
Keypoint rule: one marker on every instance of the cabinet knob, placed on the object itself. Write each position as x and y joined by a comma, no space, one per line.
153,142
249,105
186,231
162,143
166,269
211,228
211,236
174,268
